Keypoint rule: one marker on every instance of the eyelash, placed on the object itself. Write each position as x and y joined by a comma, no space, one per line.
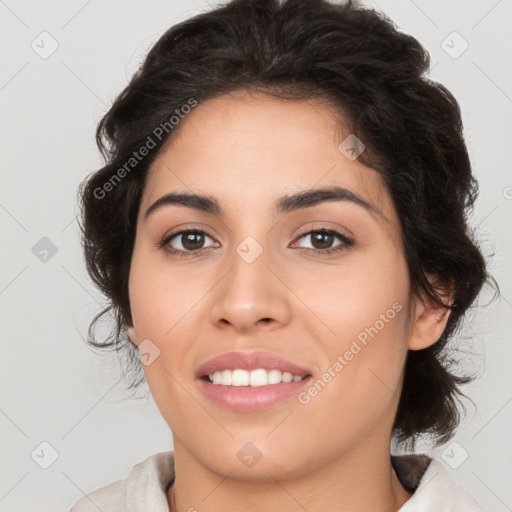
346,241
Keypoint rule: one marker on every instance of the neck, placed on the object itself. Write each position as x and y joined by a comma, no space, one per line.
357,481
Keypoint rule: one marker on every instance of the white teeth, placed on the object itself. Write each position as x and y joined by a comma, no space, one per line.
254,378
273,377
287,377
257,377
226,377
238,378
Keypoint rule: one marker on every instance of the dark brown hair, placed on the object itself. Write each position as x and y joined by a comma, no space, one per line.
359,61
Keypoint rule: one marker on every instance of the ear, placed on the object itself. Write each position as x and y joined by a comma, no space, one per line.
132,335
429,319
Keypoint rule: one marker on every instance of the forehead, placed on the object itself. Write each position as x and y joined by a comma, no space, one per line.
249,149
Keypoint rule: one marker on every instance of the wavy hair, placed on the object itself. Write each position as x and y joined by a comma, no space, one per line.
357,60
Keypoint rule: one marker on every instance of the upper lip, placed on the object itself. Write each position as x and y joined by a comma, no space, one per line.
249,361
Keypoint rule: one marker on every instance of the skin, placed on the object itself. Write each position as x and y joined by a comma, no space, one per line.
333,453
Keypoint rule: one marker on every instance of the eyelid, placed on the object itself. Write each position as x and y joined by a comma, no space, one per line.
323,226
188,227
346,240
180,230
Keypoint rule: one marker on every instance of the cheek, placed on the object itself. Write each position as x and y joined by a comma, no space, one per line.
159,297
362,338
350,297
165,308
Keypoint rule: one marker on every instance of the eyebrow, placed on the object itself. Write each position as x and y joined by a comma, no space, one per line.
286,204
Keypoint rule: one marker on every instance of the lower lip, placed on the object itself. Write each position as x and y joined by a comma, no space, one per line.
252,399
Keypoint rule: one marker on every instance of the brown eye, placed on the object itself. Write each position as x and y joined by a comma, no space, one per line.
322,241
186,241
192,240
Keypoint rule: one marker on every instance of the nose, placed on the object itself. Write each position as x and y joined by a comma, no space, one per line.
251,296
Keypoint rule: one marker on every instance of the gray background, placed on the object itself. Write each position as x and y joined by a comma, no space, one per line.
53,388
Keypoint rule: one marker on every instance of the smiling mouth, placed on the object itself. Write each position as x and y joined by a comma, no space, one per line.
252,378
254,390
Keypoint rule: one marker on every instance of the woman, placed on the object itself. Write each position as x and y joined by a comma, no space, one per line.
280,228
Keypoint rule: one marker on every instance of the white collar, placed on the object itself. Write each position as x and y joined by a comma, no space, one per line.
148,481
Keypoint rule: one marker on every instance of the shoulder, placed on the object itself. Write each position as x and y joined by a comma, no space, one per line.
433,488
110,498
145,486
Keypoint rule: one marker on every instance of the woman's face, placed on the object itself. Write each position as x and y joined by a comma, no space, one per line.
257,280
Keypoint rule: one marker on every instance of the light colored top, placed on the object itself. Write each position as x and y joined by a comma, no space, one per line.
145,487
